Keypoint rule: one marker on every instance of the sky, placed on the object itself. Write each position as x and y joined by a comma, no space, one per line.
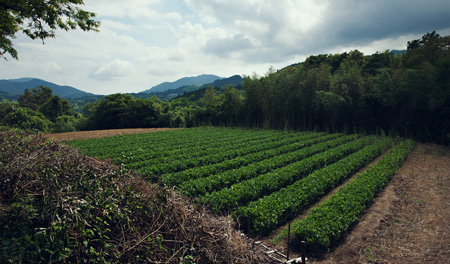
143,43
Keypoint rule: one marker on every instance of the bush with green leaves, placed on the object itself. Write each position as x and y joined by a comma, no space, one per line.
65,123
25,118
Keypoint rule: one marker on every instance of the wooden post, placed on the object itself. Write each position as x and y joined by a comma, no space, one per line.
303,252
288,240
248,222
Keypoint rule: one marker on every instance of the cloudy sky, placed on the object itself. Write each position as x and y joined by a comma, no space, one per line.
142,43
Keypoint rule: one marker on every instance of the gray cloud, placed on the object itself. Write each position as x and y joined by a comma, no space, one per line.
225,46
355,21
285,28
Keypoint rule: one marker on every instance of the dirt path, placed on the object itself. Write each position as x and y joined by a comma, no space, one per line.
410,221
102,133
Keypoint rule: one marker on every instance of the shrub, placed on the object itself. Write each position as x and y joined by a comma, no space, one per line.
25,118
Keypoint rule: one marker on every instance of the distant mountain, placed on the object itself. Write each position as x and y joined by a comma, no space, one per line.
187,81
395,52
16,87
234,80
195,95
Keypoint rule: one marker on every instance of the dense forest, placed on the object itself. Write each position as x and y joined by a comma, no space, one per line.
405,94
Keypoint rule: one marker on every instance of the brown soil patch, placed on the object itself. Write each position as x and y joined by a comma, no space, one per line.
103,133
410,221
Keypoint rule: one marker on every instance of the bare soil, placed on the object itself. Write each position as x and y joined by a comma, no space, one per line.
102,133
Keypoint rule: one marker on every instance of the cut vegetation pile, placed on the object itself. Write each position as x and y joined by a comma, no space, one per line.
59,206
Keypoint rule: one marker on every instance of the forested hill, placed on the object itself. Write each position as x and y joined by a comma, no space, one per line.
16,87
188,90
186,81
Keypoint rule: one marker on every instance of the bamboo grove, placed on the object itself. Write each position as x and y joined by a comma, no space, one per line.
402,94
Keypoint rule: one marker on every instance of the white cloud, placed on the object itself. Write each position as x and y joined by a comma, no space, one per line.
120,8
113,70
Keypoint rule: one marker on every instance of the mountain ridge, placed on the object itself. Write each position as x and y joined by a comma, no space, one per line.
16,87
185,81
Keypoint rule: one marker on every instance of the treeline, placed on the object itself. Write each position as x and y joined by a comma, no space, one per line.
402,94
39,110
214,106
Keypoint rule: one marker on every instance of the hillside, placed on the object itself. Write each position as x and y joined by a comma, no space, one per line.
186,81
234,80
196,90
15,87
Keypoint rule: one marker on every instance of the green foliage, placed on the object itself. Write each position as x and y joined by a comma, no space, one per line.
56,107
326,224
65,123
274,160
39,110
191,181
25,118
255,188
405,94
35,98
39,19
276,209
125,111
6,107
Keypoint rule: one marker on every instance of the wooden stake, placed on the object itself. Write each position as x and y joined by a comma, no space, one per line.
248,223
288,240
303,252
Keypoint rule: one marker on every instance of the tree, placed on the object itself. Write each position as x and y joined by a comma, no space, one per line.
254,101
6,107
55,107
25,118
231,105
39,19
420,43
211,99
110,112
35,98
431,48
